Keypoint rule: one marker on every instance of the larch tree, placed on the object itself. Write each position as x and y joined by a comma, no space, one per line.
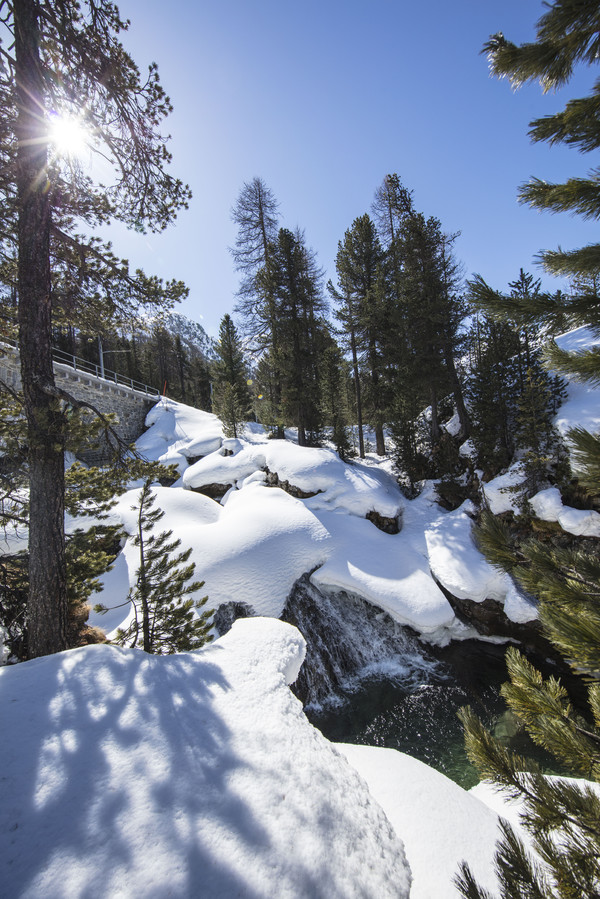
256,215
345,313
562,816
65,63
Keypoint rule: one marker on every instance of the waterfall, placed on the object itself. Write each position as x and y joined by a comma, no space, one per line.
349,639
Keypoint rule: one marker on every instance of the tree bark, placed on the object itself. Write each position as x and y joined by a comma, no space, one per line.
47,609
463,415
359,420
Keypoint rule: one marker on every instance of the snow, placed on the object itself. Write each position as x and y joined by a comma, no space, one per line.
498,493
339,486
177,432
459,566
441,824
187,775
383,570
548,505
251,550
581,407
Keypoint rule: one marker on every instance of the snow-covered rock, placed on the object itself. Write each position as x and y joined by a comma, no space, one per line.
177,432
548,506
384,570
189,775
459,566
337,486
500,493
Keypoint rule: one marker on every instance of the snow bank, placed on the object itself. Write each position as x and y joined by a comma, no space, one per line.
498,492
187,775
177,432
349,488
441,824
383,570
458,565
251,550
548,505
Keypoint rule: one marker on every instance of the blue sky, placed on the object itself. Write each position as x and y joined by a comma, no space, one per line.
322,100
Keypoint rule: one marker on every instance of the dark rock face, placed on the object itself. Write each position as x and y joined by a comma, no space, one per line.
229,612
214,491
388,525
272,480
346,637
489,619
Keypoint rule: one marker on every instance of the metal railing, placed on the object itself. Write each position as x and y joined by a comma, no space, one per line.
105,374
91,368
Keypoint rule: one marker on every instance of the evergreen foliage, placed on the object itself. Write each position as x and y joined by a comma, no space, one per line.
359,265
65,59
291,283
512,400
231,397
563,817
166,617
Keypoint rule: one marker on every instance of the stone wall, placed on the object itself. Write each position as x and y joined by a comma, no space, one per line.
130,406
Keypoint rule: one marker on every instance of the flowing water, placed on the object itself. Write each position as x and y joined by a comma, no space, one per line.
417,715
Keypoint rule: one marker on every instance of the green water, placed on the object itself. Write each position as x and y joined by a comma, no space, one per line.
421,719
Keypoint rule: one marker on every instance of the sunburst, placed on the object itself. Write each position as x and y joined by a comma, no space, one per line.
68,135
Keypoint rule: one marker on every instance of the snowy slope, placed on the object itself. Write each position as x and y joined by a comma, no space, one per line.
194,775
259,540
441,824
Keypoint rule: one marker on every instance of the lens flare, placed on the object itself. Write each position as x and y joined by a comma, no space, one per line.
67,135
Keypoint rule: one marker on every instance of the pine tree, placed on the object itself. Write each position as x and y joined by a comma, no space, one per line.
293,281
165,615
334,376
231,397
563,817
65,59
359,265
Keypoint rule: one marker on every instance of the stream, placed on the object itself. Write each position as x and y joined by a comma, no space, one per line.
417,715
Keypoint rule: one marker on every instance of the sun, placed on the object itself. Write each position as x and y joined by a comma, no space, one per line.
67,135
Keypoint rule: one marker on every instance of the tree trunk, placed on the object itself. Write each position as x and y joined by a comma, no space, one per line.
461,409
47,606
379,440
435,419
361,441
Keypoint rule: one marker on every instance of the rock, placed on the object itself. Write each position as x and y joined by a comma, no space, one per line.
489,619
229,612
214,491
272,480
388,525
